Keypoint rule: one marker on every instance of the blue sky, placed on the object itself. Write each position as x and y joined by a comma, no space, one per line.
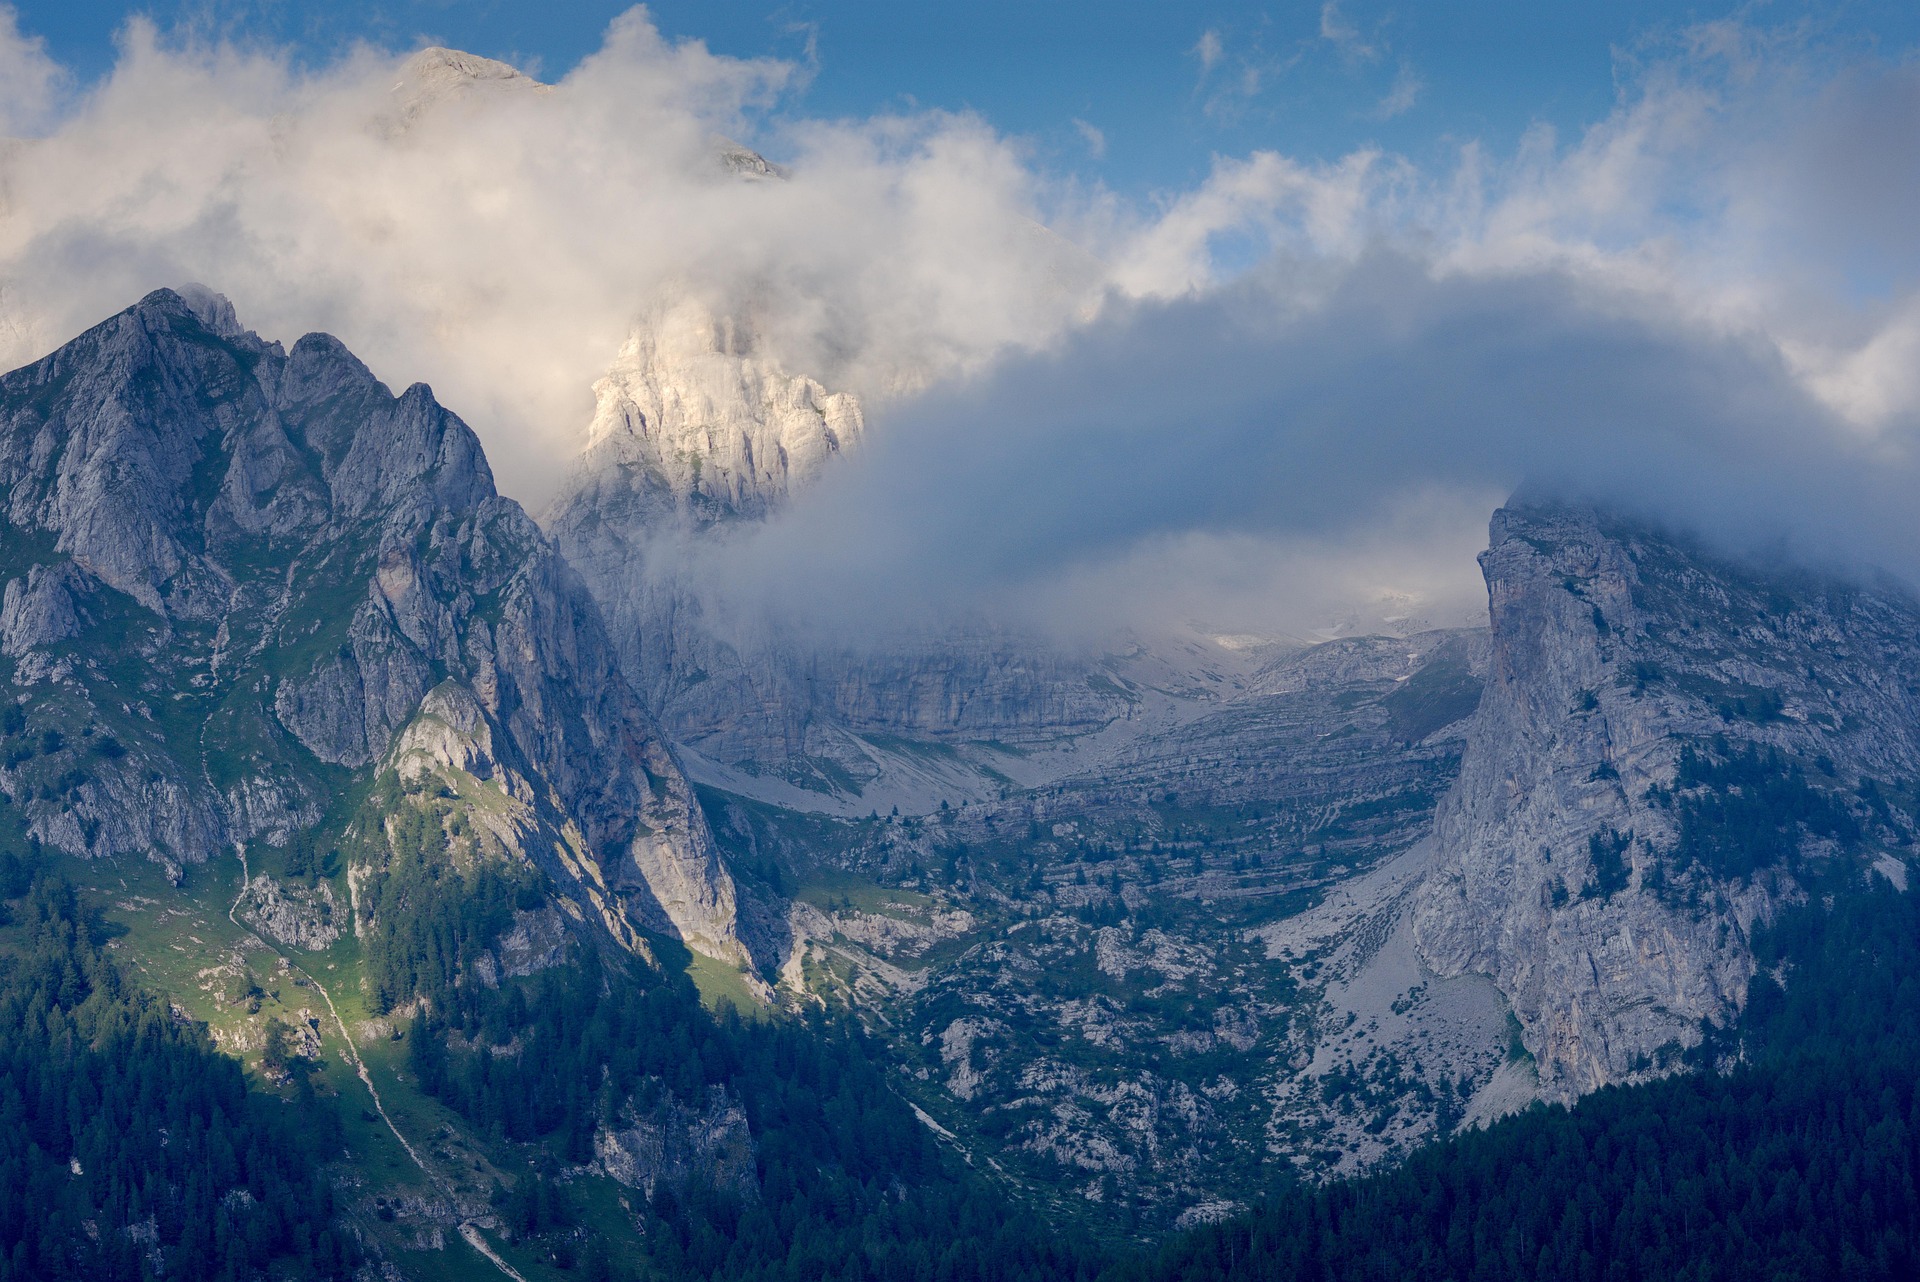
1113,91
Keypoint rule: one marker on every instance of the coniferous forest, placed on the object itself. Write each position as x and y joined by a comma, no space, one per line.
129,1146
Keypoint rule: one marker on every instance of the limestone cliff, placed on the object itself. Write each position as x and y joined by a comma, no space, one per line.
1642,690
694,418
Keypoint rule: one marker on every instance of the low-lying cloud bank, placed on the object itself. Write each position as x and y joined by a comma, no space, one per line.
1707,306
1374,405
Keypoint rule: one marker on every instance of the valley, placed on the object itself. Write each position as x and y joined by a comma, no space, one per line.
346,760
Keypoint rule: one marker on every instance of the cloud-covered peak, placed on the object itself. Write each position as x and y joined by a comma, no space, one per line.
436,75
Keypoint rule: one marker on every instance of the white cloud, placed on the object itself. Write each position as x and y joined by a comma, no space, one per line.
497,239
1727,265
1209,49
1339,31
30,81
1664,312
1400,99
1317,209
1332,427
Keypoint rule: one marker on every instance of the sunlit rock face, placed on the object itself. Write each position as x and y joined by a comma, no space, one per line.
695,420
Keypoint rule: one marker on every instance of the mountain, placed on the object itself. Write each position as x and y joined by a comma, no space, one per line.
1670,740
1108,842
1382,889
343,764
318,756
1376,933
239,578
588,922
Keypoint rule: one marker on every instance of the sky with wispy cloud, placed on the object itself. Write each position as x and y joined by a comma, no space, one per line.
1243,317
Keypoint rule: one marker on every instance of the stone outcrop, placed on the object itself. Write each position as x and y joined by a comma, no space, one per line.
295,915
675,1144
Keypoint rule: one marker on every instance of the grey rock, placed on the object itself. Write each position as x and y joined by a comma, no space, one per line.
1615,649
276,560
671,1143
298,916
42,608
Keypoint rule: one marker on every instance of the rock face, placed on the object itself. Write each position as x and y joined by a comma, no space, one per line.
1641,692
673,1144
693,420
235,571
292,914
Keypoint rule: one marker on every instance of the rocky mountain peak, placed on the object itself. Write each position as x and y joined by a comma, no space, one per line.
246,567
436,76
695,418
1645,692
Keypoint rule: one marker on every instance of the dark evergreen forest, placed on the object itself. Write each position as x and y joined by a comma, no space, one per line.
129,1146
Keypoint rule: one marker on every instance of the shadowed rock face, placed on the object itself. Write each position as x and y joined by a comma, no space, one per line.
1564,869
233,574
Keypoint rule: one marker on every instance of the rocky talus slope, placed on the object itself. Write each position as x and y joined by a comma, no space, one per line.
236,573
1138,983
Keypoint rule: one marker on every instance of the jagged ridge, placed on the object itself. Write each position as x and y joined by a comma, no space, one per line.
241,569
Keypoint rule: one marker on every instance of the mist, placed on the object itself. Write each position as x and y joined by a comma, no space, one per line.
1333,426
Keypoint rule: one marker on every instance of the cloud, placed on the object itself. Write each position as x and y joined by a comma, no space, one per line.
1209,49
1288,394
1265,202
1096,140
30,81
1704,309
1400,99
1326,414
1231,80
497,238
1339,31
